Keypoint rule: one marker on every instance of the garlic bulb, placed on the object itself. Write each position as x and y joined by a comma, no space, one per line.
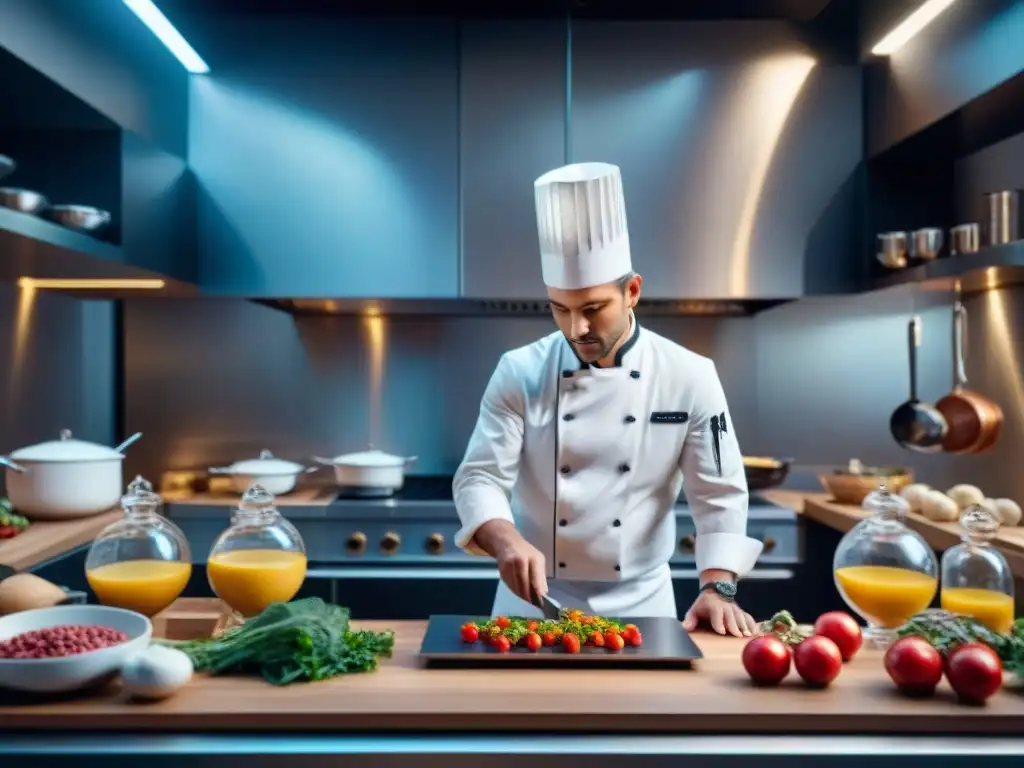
939,508
966,495
156,673
914,495
1009,511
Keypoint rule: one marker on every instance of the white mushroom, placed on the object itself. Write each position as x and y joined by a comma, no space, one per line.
939,508
1009,511
914,495
966,495
156,673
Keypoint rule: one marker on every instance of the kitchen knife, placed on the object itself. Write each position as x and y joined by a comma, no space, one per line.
547,604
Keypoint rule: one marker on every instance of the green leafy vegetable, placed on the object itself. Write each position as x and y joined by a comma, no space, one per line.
784,625
946,630
300,641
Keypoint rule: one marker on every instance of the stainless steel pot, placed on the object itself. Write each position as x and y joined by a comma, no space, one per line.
23,200
964,238
277,476
66,478
1004,216
892,249
81,218
369,473
926,244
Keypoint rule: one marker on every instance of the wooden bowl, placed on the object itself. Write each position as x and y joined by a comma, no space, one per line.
848,488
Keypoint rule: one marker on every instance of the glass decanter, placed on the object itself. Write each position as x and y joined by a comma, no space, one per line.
141,562
976,579
885,571
258,560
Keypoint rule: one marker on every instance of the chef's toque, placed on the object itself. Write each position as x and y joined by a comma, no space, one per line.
581,220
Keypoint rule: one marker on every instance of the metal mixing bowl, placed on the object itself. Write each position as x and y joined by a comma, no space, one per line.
81,217
24,200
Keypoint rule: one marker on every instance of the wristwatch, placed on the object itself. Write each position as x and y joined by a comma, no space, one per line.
725,589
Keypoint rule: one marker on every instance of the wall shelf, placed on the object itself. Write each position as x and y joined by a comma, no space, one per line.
994,267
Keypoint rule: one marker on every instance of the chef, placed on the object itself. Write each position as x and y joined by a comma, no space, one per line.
586,436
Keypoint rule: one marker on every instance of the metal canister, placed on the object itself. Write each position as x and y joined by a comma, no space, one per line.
1003,217
964,238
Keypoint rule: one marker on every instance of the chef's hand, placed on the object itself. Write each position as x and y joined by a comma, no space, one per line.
520,564
721,614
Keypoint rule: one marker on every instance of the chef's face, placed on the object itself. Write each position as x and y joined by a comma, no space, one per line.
595,319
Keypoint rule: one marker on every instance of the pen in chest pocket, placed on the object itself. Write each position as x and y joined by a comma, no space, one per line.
718,428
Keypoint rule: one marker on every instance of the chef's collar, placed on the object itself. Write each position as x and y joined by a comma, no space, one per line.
620,353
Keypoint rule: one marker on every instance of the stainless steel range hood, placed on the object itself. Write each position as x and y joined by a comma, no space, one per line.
506,307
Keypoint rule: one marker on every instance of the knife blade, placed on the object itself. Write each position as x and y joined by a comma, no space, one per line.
548,605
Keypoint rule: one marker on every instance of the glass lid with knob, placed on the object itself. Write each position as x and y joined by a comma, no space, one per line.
259,559
885,571
141,562
976,579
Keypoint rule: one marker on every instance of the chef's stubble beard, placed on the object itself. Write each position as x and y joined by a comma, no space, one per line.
607,345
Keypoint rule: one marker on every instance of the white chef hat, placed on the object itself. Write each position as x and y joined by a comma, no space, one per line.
581,220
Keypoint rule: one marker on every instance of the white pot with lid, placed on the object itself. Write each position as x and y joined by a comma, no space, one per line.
371,472
65,478
277,476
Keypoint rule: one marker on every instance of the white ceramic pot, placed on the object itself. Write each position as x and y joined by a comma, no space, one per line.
277,476
371,472
66,478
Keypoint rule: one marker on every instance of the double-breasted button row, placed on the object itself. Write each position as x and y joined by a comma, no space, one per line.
563,522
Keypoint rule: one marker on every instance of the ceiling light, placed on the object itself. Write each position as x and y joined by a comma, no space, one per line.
907,29
158,24
91,284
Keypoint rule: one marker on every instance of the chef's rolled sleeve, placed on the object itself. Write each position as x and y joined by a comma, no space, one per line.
716,488
484,480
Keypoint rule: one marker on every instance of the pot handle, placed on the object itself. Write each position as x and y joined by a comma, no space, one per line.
4,461
131,440
325,462
307,470
220,471
410,459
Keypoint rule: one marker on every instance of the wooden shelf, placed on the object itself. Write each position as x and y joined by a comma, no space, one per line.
23,230
994,267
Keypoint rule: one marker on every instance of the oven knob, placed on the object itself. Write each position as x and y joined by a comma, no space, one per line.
390,543
435,543
357,543
687,543
769,543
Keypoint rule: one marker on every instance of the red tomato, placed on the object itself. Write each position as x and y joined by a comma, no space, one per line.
597,640
502,643
550,638
842,629
533,641
571,642
818,661
614,642
975,672
914,665
503,622
635,638
767,659
626,633
532,626
470,634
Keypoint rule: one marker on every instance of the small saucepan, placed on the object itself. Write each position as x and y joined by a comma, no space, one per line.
277,476
66,478
370,473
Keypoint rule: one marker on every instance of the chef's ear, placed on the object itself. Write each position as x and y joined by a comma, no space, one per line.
633,290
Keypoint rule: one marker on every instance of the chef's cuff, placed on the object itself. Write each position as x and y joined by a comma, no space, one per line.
478,504
733,552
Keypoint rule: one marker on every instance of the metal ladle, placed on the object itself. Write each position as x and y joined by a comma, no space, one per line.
915,425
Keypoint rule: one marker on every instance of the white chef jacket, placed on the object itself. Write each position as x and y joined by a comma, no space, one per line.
588,462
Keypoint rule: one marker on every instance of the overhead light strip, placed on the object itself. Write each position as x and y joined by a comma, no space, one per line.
910,27
91,284
158,24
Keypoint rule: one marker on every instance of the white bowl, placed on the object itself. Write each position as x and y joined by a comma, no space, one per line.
71,673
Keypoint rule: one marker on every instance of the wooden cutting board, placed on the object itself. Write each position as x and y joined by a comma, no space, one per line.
665,642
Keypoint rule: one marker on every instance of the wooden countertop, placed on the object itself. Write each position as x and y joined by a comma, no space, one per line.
401,695
44,540
940,536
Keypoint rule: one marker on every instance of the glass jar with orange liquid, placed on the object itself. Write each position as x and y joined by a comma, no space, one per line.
976,579
885,571
260,559
141,562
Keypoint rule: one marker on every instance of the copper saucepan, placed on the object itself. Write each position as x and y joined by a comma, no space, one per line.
973,420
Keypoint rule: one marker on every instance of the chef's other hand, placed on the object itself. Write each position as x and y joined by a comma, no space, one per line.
520,564
721,614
